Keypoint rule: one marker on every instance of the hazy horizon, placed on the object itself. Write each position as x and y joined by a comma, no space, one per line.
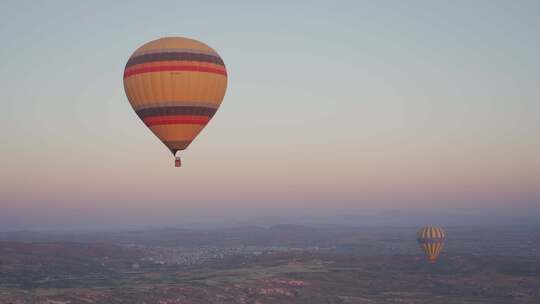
349,218
361,109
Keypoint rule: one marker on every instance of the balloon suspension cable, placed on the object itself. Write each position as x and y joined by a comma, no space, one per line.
177,160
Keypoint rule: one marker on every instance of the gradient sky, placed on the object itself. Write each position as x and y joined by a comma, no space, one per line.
331,108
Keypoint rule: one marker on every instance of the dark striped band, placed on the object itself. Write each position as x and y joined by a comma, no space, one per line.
176,110
431,240
174,56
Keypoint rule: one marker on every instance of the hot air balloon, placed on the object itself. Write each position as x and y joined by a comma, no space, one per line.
175,85
431,239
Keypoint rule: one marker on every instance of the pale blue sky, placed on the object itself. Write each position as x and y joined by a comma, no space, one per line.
349,102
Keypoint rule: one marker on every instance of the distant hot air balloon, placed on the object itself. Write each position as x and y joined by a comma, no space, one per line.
431,239
175,85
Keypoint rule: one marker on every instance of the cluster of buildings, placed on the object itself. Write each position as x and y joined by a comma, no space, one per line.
200,255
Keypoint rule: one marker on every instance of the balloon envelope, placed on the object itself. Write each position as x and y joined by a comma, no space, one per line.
175,85
431,240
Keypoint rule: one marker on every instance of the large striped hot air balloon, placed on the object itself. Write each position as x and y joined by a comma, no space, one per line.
431,239
175,85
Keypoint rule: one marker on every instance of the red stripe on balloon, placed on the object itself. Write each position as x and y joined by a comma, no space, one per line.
191,68
176,120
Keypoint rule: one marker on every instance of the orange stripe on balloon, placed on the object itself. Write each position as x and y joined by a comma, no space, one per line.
191,68
176,120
